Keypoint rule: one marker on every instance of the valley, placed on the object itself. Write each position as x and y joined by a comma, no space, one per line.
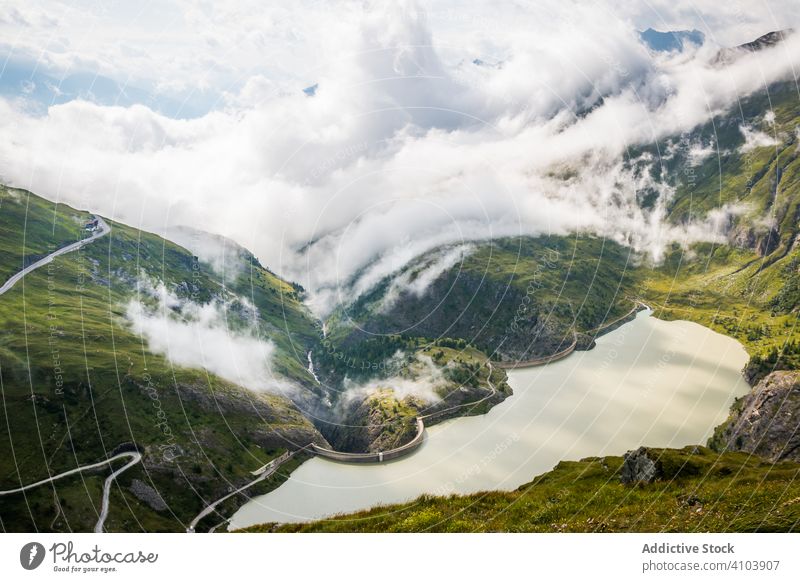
183,350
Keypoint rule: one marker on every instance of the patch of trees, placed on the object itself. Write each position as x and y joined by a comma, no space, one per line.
368,358
788,298
453,343
464,374
785,358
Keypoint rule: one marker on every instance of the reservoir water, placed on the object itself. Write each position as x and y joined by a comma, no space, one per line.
650,382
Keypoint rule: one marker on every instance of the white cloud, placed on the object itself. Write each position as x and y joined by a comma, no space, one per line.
755,138
418,278
406,145
179,46
698,152
223,255
427,379
201,336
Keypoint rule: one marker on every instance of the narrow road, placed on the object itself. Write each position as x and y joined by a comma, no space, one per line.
410,446
274,465
135,458
542,360
103,229
474,402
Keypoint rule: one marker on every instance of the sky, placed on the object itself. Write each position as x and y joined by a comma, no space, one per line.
432,123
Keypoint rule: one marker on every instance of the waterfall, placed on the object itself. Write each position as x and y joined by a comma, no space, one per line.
311,368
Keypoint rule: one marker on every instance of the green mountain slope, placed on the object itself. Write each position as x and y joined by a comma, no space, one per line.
747,287
514,299
38,226
78,382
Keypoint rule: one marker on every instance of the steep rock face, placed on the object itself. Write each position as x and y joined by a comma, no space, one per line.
766,422
377,423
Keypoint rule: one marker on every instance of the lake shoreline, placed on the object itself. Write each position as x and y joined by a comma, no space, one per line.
585,405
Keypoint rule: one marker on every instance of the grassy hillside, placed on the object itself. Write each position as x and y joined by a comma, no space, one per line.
700,491
77,383
39,227
512,298
727,290
748,288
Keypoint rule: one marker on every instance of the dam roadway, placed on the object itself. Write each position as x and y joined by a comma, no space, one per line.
413,444
410,446
378,457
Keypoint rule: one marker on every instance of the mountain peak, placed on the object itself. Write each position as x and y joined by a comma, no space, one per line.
765,41
671,40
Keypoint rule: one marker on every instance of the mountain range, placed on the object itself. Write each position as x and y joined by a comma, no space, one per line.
185,348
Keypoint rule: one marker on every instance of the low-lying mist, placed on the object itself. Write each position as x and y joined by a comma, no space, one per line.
212,336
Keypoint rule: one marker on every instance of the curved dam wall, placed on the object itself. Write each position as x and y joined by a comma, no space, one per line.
378,457
539,361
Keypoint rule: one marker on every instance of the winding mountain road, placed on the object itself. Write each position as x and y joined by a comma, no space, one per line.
102,230
272,466
135,457
410,446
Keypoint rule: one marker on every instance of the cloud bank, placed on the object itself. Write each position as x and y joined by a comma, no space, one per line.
409,143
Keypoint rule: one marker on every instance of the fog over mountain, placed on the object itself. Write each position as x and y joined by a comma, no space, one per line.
407,143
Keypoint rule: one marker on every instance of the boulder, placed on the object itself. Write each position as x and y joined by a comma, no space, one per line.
150,496
640,466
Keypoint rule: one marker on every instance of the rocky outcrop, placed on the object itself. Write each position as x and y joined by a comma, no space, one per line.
763,241
378,422
640,466
766,422
150,496
726,56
